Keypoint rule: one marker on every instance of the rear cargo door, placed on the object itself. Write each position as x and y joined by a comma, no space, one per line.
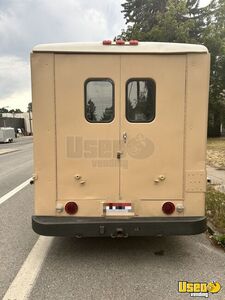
152,126
87,92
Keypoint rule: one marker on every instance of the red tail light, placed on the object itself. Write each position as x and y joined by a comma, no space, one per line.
71,208
168,208
120,42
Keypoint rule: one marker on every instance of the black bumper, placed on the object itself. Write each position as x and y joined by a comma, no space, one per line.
116,227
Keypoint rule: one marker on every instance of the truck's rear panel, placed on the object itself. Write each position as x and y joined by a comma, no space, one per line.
123,137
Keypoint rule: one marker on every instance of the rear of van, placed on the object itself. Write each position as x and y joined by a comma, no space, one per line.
119,138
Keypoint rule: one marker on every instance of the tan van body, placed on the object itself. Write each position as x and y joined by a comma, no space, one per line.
119,172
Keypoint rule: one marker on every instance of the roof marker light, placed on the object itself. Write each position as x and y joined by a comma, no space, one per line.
133,42
107,42
120,42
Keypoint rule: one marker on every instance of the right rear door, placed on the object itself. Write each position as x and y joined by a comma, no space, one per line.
152,126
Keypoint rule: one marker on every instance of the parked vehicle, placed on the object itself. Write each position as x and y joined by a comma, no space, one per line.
120,138
7,134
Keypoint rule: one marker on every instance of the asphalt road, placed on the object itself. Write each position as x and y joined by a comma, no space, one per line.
15,167
133,268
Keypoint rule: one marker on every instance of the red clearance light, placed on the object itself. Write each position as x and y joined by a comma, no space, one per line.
71,208
107,42
133,42
168,208
120,42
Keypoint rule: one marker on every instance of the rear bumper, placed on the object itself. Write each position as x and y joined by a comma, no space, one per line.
116,227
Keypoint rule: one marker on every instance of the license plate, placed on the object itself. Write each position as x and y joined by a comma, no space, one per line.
115,209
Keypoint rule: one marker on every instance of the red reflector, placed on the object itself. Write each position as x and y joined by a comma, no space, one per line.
133,42
120,42
168,208
71,208
107,42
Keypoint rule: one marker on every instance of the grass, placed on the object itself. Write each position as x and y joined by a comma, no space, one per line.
216,153
219,238
215,200
215,207
215,211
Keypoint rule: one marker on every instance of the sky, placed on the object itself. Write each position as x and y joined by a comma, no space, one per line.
26,23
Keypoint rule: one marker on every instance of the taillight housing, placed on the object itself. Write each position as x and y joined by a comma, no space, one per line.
168,208
71,208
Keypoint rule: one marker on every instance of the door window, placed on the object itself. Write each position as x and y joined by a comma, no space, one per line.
140,100
99,100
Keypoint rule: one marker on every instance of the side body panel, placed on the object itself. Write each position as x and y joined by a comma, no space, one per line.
42,68
196,115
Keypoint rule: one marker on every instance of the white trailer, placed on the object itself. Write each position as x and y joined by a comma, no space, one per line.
7,134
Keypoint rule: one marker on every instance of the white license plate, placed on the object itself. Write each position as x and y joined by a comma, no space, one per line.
118,208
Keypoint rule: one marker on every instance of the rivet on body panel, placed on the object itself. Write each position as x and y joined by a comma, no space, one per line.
59,207
77,177
162,177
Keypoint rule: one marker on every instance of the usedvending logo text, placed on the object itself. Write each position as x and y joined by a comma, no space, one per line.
199,289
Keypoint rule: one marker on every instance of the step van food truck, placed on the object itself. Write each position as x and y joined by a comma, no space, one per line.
119,138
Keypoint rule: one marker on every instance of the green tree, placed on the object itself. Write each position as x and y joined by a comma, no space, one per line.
141,17
165,20
3,110
186,22
214,39
15,111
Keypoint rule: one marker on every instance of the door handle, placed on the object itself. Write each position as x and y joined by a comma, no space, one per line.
124,137
118,155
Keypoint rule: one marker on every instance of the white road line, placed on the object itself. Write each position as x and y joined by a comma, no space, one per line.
24,281
14,191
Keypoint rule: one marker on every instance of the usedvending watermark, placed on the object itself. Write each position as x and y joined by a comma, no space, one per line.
105,153
199,289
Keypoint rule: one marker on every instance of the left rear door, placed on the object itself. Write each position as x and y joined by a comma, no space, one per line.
87,126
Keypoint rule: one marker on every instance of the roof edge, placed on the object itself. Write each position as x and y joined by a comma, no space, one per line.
142,47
